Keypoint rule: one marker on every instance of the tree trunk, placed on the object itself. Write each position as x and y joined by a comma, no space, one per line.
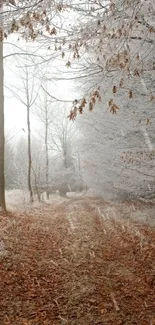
36,187
29,155
47,157
2,178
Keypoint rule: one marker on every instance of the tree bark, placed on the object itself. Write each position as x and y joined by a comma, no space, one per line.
29,155
47,157
2,148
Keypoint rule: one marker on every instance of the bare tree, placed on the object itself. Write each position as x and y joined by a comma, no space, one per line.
2,179
27,95
21,163
47,153
63,143
38,167
25,18
44,113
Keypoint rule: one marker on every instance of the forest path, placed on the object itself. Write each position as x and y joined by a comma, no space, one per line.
76,263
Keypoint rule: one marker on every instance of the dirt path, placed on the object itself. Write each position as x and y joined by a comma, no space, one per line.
76,263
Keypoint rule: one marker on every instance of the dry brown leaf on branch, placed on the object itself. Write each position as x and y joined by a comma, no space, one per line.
79,105
122,65
73,114
114,108
96,94
59,7
130,94
91,106
53,31
114,89
152,29
12,2
63,54
119,32
47,28
68,64
112,5
75,102
110,102
84,102
80,109
93,100
136,73
121,82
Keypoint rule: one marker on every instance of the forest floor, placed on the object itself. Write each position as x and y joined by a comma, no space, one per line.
79,261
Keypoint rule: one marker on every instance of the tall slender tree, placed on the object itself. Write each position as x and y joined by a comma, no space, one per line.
2,178
45,116
30,20
26,93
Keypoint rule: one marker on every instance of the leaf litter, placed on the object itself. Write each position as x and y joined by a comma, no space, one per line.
100,270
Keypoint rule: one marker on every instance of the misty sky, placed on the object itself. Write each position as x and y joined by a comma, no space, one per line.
15,111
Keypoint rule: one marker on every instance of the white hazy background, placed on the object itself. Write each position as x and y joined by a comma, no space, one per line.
15,111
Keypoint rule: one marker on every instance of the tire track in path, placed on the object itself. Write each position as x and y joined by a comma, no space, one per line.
67,264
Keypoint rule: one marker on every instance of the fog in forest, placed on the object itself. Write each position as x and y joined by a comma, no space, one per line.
77,162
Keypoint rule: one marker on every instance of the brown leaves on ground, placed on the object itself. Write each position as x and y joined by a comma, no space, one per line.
78,262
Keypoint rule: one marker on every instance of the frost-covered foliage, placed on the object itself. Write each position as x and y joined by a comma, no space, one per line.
18,200
10,167
116,157
111,53
117,142
64,172
118,40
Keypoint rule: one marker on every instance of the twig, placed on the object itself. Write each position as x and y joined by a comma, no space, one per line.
63,319
56,302
56,264
114,302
